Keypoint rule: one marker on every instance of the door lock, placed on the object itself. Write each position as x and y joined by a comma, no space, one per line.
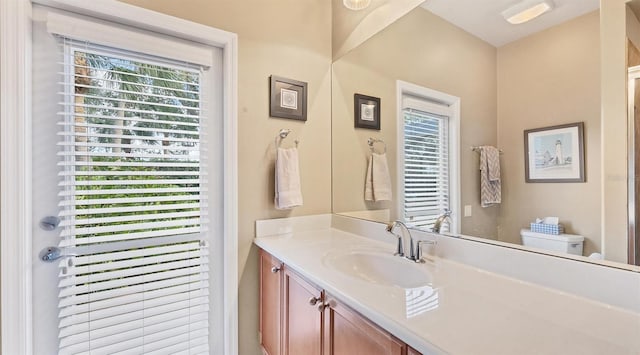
49,223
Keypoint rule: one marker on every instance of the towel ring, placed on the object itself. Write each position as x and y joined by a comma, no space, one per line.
372,141
282,134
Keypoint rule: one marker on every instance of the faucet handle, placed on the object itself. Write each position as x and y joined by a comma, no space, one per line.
400,246
390,227
418,258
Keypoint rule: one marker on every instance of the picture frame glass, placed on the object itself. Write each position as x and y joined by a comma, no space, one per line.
287,98
555,154
366,111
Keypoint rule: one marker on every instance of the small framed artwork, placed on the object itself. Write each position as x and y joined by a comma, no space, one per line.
366,111
555,154
288,98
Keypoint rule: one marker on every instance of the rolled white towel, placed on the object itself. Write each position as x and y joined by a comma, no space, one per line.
287,180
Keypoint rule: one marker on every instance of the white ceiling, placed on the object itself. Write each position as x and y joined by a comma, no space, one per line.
482,17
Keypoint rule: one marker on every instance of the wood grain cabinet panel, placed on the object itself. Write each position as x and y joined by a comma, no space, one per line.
302,310
348,333
298,318
270,303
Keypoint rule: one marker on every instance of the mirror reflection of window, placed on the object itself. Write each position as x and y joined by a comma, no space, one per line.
419,300
427,187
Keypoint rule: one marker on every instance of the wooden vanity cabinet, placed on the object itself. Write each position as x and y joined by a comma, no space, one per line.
347,332
298,318
302,316
290,311
270,303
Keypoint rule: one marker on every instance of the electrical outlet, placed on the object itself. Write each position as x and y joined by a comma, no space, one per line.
467,210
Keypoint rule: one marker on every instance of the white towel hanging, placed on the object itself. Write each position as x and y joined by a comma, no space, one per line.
377,185
288,192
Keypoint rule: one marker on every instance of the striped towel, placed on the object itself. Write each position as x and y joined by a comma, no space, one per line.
490,185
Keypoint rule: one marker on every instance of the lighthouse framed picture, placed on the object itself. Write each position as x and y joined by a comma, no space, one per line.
554,154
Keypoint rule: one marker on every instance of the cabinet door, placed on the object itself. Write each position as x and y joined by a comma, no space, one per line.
270,303
412,351
348,333
302,311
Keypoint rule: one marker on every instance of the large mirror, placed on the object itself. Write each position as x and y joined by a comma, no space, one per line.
508,79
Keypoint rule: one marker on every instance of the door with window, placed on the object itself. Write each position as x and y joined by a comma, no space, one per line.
127,190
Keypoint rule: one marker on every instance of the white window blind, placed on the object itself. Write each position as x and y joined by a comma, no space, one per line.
426,162
133,204
78,27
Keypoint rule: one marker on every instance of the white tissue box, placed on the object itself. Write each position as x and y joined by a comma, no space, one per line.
547,228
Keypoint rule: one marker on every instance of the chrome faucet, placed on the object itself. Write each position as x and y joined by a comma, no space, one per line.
437,226
400,248
415,253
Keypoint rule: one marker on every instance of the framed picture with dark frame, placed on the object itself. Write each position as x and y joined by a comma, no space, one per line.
287,98
366,111
555,154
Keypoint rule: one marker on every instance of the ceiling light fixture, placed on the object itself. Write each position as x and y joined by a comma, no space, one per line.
356,4
525,10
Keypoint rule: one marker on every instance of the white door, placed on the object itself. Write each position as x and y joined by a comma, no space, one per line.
127,190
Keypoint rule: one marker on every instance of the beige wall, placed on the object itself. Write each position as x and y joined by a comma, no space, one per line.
290,38
551,78
423,49
352,28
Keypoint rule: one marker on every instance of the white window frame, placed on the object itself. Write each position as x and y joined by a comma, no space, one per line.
452,105
15,155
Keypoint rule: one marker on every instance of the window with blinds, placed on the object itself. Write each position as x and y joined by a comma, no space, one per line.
133,204
426,163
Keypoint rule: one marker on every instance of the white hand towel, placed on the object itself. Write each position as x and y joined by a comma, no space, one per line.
288,191
368,181
377,185
490,184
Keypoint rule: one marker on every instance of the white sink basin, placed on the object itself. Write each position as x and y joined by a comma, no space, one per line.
380,268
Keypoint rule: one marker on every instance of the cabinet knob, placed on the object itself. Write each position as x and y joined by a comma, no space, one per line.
275,269
314,300
328,304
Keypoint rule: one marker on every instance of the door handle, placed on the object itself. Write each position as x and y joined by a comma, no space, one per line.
51,254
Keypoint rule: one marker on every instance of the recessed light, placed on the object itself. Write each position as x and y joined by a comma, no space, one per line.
356,4
526,10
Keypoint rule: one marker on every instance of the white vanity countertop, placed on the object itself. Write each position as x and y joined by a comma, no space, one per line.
474,312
